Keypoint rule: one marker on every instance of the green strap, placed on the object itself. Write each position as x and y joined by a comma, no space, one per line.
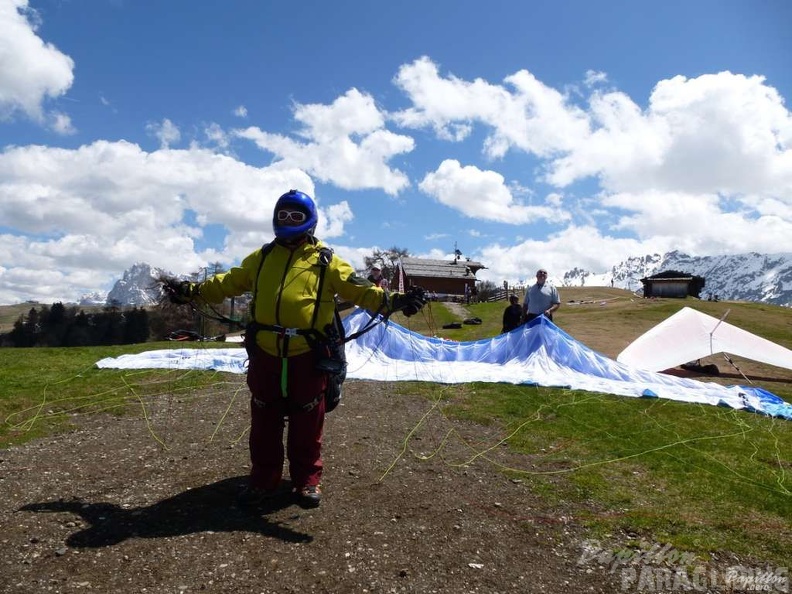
284,375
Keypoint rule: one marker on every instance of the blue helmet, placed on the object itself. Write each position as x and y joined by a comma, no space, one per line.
295,200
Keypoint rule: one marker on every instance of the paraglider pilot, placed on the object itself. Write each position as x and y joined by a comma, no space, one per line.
294,282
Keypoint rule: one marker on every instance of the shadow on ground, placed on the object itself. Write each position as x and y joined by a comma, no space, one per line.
210,508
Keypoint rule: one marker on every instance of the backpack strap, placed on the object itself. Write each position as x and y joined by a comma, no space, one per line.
265,249
325,257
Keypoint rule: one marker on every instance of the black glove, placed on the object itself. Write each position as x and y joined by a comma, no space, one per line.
409,303
179,292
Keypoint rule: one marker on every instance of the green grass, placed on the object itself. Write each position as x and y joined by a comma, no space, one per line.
436,315
701,478
41,389
698,477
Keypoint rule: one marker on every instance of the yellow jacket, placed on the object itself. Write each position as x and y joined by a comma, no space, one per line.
285,294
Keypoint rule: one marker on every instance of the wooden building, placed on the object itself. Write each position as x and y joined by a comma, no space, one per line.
442,277
672,284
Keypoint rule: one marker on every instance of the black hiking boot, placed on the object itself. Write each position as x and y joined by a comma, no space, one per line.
309,496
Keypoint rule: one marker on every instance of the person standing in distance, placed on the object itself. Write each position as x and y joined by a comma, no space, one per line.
375,277
294,281
541,298
512,315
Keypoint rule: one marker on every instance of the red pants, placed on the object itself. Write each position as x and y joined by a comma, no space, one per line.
268,410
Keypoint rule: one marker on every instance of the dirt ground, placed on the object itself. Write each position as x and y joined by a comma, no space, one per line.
146,504
106,508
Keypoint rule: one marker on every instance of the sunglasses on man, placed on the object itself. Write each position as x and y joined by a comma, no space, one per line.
295,216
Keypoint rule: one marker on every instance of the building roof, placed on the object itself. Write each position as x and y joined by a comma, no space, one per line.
459,269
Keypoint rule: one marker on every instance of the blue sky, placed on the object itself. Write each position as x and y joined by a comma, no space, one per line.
526,134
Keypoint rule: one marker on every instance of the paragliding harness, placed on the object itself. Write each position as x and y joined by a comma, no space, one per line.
328,346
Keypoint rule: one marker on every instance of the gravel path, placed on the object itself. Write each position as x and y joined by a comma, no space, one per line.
106,508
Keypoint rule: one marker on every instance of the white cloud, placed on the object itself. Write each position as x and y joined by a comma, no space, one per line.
661,222
482,195
764,205
723,133
61,123
699,224
217,137
704,167
31,71
332,220
104,206
355,255
623,138
165,131
583,247
594,77
346,144
718,133
532,118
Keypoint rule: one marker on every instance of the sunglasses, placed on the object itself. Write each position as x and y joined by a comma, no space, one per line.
541,273
296,216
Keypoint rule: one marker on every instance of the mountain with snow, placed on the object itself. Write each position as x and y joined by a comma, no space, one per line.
93,299
765,278
138,286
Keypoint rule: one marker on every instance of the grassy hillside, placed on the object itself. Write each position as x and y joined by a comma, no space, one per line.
702,478
9,314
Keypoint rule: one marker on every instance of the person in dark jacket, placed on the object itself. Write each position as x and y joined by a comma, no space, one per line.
512,315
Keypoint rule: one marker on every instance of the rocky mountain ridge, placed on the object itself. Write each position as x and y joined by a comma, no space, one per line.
765,278
138,286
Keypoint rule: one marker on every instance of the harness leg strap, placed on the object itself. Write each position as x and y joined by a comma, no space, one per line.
284,377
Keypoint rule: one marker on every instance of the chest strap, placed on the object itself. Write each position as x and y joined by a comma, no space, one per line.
311,335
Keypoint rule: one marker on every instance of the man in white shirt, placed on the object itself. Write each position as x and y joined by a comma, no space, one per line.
541,298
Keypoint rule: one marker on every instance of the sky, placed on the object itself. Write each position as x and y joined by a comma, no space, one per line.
525,134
